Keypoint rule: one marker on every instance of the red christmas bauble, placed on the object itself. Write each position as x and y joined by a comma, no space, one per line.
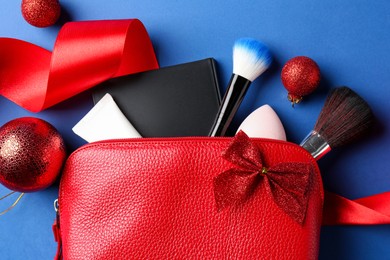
41,13
300,76
32,153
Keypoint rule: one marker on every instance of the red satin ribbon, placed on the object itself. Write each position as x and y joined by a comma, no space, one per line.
85,54
371,210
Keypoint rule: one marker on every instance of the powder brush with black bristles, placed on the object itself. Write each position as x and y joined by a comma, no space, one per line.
344,118
250,59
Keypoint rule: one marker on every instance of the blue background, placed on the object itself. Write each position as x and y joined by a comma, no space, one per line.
348,39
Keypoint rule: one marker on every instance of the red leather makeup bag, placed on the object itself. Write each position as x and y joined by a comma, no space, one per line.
190,198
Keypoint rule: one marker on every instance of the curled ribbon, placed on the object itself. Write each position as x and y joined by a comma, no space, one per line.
288,183
371,210
85,54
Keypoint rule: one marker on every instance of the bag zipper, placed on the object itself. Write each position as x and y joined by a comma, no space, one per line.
167,139
57,231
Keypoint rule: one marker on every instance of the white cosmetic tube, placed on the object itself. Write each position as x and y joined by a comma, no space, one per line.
105,121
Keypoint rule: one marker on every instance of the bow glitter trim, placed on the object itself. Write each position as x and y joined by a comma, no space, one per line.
288,182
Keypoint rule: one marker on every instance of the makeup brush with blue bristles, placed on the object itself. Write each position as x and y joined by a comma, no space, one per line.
250,59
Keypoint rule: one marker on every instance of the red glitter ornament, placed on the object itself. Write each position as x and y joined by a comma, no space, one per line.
300,76
41,13
32,153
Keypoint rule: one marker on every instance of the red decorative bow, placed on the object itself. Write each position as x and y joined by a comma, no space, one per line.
288,183
85,54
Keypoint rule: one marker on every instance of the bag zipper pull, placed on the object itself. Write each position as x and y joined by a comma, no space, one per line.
57,231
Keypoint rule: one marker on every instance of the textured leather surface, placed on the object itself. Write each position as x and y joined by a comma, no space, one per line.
153,199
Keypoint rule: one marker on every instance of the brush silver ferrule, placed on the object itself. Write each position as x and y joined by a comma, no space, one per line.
316,145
